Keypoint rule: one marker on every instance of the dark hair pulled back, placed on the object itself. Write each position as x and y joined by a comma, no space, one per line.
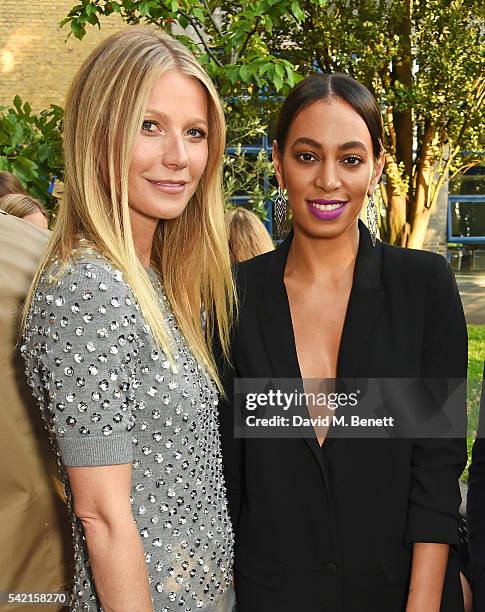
320,87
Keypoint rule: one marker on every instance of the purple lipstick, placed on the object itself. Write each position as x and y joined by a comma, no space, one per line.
326,210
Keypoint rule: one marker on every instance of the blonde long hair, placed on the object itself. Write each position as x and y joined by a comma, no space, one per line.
246,234
20,205
104,111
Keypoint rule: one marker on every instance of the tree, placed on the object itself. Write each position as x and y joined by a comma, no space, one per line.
422,61
421,58
30,147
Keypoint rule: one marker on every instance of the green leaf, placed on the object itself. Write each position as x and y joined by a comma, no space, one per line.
17,102
296,10
278,82
174,6
93,20
43,151
290,74
77,29
198,14
12,128
280,70
144,8
266,68
245,73
24,168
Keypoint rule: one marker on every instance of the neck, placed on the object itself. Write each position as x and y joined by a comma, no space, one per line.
324,260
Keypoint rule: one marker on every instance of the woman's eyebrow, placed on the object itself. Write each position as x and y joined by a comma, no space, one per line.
352,144
307,141
156,113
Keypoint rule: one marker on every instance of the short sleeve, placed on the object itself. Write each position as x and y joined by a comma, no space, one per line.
81,350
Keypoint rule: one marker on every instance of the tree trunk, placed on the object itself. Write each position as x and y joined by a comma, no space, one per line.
397,219
396,203
418,230
402,72
421,204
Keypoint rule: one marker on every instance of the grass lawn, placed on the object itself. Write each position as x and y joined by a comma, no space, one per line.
476,355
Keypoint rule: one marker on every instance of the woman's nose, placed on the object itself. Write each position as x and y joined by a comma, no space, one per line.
328,178
175,152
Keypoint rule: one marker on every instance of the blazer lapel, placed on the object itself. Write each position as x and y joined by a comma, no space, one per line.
364,309
275,317
365,305
277,330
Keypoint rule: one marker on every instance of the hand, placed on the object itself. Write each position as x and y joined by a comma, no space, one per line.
467,593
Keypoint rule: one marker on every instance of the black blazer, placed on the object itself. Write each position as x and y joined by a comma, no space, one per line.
331,530
476,512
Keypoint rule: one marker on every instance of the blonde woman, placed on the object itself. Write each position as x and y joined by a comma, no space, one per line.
246,234
114,347
25,207
9,183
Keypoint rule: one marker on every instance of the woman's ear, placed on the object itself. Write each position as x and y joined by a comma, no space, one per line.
377,172
278,165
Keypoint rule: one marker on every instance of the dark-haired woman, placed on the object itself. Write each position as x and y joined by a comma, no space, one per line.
476,511
327,524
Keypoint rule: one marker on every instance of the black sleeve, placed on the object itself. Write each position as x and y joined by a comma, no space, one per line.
437,463
232,447
476,511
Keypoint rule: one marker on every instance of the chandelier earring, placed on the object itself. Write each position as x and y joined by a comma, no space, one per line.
372,219
280,209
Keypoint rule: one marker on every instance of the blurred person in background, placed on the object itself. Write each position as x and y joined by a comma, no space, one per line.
25,207
9,183
476,512
247,235
34,527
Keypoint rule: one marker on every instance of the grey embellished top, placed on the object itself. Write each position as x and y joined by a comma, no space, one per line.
109,396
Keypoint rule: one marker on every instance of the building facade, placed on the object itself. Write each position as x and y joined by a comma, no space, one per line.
37,58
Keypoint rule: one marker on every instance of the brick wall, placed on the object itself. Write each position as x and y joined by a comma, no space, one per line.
36,61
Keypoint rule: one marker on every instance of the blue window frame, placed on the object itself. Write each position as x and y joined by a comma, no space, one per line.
466,219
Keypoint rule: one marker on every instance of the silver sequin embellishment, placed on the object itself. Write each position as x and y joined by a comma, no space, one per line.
98,376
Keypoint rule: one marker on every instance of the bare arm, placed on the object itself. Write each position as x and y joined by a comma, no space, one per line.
102,503
427,577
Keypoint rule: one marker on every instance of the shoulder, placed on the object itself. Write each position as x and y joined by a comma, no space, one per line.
87,288
254,266
88,273
21,246
14,228
252,273
416,265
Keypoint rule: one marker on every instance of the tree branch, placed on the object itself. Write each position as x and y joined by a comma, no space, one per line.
390,127
201,38
211,17
479,98
442,177
327,65
463,169
251,33
423,167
